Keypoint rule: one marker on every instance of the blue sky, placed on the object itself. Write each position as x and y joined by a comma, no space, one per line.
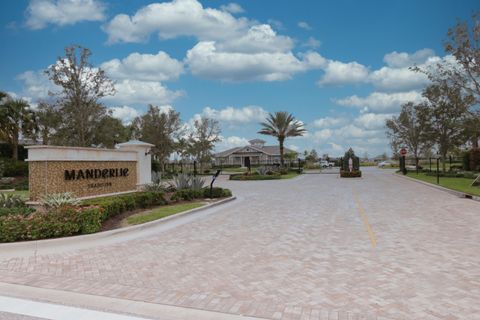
341,67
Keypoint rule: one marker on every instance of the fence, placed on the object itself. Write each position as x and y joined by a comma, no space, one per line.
431,164
194,167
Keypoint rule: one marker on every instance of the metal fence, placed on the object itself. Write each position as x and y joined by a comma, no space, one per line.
433,163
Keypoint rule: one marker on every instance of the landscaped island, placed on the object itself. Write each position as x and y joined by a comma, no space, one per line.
63,215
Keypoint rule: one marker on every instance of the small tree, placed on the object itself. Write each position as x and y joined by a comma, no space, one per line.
201,141
82,86
446,111
15,118
282,125
48,122
409,129
160,128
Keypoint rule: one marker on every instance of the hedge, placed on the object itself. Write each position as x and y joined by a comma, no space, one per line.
12,168
116,205
242,176
64,221
348,174
190,194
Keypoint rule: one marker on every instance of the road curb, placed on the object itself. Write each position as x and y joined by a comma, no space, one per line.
38,244
453,192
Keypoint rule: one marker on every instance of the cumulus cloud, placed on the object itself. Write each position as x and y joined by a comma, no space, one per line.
401,79
145,67
174,19
124,113
206,61
40,13
372,121
239,115
403,59
339,73
36,84
380,102
230,142
304,25
142,92
329,122
232,8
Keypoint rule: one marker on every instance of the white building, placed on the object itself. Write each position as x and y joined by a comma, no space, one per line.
255,153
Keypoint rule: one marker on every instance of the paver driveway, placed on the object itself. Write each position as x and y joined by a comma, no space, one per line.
314,247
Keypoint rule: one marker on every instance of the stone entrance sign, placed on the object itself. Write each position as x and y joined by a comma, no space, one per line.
88,172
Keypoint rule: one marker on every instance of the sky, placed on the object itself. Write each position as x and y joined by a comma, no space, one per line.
340,67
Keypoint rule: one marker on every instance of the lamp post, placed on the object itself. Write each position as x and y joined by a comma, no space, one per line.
438,165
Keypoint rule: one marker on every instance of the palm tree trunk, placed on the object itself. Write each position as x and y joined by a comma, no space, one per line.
15,146
282,161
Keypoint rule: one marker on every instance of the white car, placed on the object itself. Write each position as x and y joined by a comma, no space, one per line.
326,164
384,164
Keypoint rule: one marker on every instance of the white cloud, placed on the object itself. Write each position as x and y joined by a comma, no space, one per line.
404,60
232,8
133,92
322,135
371,121
304,25
206,61
239,115
312,43
231,142
174,19
124,113
259,38
401,79
62,12
329,122
339,73
36,84
381,102
145,67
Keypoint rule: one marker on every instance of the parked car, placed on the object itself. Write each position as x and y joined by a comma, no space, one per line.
326,164
384,164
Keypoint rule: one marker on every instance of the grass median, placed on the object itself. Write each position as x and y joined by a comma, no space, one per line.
161,212
459,184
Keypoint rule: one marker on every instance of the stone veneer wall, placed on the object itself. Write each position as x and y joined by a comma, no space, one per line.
49,177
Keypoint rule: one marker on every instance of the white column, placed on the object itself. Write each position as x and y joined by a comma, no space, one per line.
144,159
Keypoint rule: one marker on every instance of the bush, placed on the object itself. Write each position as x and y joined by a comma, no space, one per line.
12,168
9,200
17,183
61,222
116,205
23,211
217,192
187,194
241,176
57,200
348,174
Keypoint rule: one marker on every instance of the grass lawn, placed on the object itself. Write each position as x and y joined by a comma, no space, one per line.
290,175
24,194
459,184
239,170
161,212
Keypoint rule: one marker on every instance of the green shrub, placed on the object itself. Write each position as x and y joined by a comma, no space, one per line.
23,211
187,194
12,168
217,192
241,176
348,174
57,200
61,222
9,200
115,205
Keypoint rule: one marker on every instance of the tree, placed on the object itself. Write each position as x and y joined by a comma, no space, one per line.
282,125
160,128
447,108
16,119
312,156
82,86
109,132
206,132
409,129
48,121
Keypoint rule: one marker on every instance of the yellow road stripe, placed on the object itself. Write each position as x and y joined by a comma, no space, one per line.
363,214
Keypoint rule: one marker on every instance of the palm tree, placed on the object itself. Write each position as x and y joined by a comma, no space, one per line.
282,125
15,118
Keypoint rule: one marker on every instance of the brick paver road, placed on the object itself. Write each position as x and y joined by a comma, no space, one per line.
315,247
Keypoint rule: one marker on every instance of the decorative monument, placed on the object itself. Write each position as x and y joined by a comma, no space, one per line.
88,172
350,165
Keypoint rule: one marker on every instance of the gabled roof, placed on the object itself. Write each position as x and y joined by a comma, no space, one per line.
269,150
